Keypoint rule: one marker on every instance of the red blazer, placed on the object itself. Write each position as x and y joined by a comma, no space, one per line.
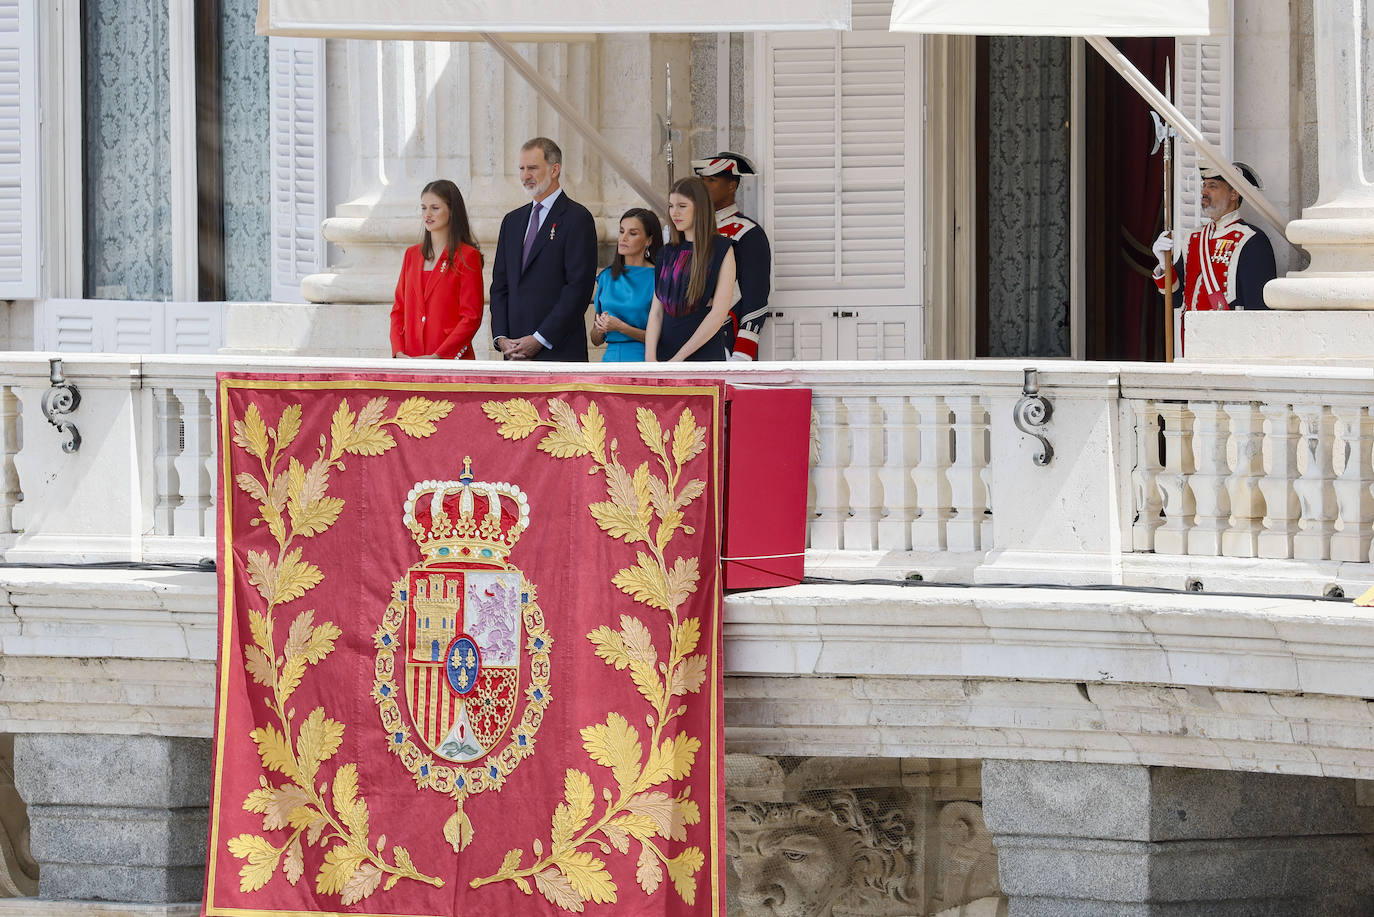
437,311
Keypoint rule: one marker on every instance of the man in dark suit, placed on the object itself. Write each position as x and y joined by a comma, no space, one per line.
541,281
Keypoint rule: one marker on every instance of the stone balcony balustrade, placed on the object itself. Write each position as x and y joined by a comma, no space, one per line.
1254,480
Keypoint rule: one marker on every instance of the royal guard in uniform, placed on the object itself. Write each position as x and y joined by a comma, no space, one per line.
1228,261
753,257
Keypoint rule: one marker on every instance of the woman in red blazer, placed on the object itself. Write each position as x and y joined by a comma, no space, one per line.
438,304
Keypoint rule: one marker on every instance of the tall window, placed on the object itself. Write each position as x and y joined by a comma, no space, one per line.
129,154
127,149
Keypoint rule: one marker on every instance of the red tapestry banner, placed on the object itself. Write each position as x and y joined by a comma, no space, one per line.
469,648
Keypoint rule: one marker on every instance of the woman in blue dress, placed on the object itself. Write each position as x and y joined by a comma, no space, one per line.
626,288
694,282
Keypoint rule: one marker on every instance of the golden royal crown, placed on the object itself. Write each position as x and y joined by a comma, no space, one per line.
466,520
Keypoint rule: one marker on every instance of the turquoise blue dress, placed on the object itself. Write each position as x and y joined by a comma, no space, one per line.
628,298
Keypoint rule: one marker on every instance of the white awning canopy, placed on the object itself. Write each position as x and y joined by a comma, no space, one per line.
457,20
1138,18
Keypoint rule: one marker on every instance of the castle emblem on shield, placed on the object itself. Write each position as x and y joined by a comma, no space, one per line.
462,669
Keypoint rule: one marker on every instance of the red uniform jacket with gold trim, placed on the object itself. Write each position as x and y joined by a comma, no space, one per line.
437,311
1240,258
753,280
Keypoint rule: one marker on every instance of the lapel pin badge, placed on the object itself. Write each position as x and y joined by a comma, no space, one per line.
552,229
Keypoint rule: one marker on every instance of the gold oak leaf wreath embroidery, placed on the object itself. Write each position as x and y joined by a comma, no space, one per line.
644,509
293,503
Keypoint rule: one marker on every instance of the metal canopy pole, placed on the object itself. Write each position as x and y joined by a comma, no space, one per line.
1186,129
565,109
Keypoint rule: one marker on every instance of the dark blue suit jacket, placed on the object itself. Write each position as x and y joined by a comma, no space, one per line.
550,295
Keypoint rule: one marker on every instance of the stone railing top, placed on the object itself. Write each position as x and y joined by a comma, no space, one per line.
1135,379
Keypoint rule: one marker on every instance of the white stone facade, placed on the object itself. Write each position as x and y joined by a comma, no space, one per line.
1250,474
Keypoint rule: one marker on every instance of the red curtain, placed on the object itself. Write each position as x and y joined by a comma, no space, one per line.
1133,204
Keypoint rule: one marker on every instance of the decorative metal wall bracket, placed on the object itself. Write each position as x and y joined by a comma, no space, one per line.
62,397
1032,411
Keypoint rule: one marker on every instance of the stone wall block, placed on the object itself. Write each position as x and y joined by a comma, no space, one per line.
116,818
1100,870
105,882
1063,799
1101,839
77,835
1252,868
112,770
1191,803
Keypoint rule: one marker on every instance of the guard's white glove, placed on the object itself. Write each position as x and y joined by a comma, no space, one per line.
1163,249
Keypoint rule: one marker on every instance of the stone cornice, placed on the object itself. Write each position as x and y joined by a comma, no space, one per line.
1184,680
1109,676
1252,643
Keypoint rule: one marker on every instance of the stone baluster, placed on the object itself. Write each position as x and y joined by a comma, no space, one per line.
1175,496
986,475
967,489
930,528
189,517
10,438
1353,499
167,433
899,458
832,496
1146,507
26,459
1241,539
861,473
1211,501
1316,495
1281,508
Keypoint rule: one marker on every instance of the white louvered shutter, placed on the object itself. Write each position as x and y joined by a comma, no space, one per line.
882,333
69,326
1205,95
799,334
842,202
298,157
805,161
19,228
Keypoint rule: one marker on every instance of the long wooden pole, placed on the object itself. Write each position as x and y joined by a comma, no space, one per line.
1187,130
1169,262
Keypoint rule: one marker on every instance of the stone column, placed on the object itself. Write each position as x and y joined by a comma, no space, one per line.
1338,230
404,113
1127,840
1325,313
116,818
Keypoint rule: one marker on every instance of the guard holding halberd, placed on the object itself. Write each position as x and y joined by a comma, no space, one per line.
753,257
1227,261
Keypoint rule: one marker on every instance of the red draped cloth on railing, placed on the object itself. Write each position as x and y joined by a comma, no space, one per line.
469,647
